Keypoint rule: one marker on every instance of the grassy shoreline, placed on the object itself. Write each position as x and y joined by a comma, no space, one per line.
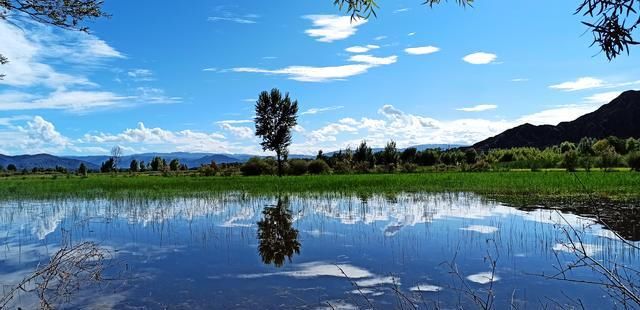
522,186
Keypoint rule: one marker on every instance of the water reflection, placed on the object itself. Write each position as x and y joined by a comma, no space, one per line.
201,252
277,238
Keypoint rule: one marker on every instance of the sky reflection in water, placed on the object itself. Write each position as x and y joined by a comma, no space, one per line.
237,251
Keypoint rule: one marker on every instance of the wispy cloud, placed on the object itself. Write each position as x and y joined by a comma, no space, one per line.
141,75
330,28
319,110
402,10
579,84
479,108
248,19
361,49
519,80
480,58
601,98
421,50
324,74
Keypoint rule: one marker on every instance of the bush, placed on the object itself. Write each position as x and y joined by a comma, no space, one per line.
297,167
207,170
409,168
342,167
633,160
586,162
609,159
318,167
570,160
256,166
480,166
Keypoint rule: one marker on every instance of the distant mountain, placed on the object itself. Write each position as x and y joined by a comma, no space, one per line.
43,161
620,118
190,159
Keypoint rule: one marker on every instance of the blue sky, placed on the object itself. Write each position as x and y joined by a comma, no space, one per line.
185,77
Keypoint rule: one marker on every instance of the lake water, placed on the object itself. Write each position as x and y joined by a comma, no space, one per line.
326,251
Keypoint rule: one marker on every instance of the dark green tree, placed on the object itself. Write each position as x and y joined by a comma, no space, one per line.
613,21
68,14
277,239
82,170
276,115
390,156
174,165
134,166
157,163
409,155
12,168
108,166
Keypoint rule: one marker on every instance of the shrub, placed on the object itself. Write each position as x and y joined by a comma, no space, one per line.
586,162
255,166
409,168
298,167
207,170
633,160
480,166
609,159
570,160
361,167
342,167
318,167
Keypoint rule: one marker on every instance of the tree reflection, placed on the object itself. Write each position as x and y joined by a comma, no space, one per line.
276,235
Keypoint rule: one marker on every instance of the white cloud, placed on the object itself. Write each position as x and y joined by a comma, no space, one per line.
361,49
601,98
579,84
480,58
374,61
236,121
238,131
141,75
319,110
380,38
556,115
401,10
30,46
479,108
330,28
519,80
237,20
324,74
411,34
421,50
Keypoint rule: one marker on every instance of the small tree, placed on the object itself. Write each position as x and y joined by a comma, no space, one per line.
471,156
390,156
570,160
143,166
633,160
82,170
116,154
409,155
12,168
174,165
633,145
566,147
157,163
275,116
585,147
134,166
108,166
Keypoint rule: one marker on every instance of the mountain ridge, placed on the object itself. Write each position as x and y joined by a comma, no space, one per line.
620,118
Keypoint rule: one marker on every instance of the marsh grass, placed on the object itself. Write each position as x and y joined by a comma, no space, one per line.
515,185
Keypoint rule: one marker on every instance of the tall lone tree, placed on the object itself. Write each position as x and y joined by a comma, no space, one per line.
275,116
64,14
613,22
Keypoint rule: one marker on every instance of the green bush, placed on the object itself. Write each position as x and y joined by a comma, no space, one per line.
409,168
633,160
256,166
570,160
480,166
318,167
342,167
297,167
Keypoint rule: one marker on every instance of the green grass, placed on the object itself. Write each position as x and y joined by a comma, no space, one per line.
515,185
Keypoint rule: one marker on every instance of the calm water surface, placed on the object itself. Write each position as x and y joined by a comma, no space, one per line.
325,251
